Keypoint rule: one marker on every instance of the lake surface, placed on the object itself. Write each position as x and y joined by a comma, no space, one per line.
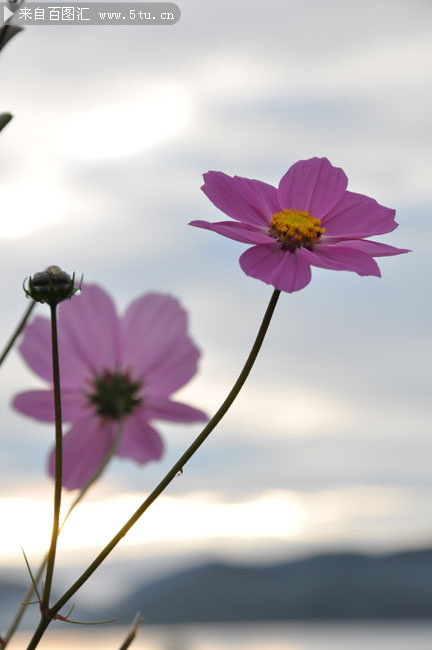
278,636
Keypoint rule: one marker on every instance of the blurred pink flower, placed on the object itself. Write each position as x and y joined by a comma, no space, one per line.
111,368
309,220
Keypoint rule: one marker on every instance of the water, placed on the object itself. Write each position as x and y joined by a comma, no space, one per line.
277,636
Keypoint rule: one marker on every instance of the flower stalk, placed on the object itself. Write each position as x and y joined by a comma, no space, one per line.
173,472
29,593
58,465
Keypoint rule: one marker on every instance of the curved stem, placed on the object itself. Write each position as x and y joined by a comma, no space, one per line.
29,593
17,332
58,464
177,467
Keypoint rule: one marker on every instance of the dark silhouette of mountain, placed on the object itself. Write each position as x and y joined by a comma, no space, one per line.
11,595
328,586
345,586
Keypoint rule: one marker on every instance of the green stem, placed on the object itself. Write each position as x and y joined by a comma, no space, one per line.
58,465
17,332
29,593
132,634
177,467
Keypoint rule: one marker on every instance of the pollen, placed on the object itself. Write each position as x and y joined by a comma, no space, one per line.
295,228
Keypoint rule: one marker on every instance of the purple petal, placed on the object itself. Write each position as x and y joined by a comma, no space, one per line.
342,258
226,193
148,323
39,404
90,323
284,270
161,408
261,195
357,215
156,345
238,231
374,248
84,448
140,441
176,365
313,185
36,350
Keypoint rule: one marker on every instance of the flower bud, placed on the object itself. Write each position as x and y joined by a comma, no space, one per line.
51,286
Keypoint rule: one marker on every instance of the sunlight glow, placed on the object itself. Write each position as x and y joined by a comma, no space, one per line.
125,129
375,516
27,207
271,515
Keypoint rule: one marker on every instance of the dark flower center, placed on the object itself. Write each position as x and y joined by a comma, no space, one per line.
115,395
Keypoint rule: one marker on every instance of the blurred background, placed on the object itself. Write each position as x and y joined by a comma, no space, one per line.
328,448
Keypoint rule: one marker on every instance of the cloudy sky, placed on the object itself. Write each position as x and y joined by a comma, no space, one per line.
329,444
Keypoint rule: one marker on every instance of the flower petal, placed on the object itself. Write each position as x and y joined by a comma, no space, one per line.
36,350
175,367
284,270
261,195
39,404
161,408
140,441
238,231
313,185
341,257
374,248
357,215
90,323
226,193
84,448
155,343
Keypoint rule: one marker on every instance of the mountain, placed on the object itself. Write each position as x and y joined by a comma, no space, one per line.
327,586
11,595
346,586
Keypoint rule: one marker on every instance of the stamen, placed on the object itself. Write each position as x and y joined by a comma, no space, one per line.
295,228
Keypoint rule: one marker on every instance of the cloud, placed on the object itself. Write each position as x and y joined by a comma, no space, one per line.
250,90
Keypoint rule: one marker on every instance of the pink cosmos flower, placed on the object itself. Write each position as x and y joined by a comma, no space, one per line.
111,368
311,219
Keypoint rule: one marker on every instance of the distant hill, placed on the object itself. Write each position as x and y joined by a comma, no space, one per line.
11,595
346,586
329,586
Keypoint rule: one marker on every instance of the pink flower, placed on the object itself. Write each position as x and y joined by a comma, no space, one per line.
111,368
309,220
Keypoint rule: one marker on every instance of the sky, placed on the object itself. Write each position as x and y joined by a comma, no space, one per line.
328,445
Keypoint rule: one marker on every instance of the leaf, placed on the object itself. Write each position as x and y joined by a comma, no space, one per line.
31,575
4,119
67,620
7,32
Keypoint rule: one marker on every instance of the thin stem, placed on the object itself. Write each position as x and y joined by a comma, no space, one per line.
177,467
58,464
17,332
29,593
132,634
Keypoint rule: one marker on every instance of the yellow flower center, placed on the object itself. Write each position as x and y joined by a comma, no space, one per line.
295,228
